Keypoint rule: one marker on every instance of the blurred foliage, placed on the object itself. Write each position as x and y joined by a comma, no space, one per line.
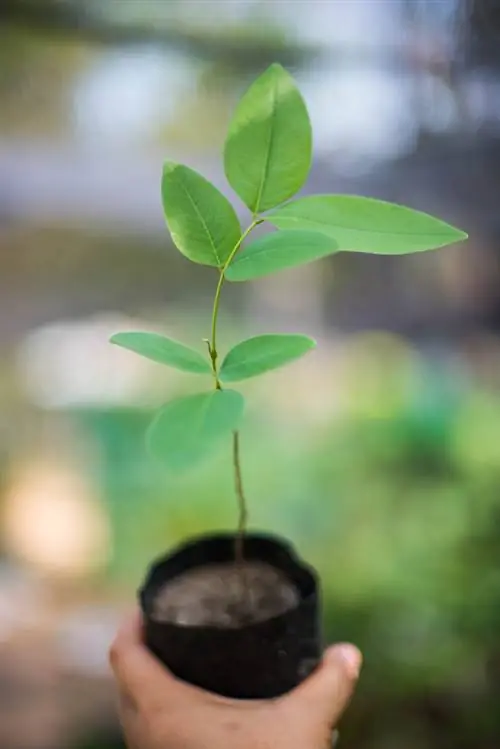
247,45
398,512
393,498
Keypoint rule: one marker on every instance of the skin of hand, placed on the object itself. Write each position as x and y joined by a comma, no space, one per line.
158,711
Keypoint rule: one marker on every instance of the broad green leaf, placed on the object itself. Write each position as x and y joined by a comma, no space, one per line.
202,222
277,251
263,353
163,350
267,154
188,428
366,225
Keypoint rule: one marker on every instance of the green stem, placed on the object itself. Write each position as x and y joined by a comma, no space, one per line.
215,311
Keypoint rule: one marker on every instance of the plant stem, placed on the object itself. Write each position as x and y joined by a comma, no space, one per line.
212,350
215,311
242,505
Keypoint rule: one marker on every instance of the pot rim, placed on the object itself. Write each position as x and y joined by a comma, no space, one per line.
302,575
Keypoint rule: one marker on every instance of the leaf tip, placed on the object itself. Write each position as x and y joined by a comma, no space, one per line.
313,343
455,235
277,67
169,166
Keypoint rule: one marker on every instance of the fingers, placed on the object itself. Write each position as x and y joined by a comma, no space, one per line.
136,670
326,693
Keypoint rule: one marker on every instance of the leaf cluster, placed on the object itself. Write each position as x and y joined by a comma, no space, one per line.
267,158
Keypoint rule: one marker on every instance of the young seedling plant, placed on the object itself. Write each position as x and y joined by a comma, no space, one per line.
267,157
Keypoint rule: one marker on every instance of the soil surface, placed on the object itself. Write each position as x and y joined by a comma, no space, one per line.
226,596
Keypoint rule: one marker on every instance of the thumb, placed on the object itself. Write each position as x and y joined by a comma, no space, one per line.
326,693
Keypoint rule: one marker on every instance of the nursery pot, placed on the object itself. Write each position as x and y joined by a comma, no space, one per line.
259,660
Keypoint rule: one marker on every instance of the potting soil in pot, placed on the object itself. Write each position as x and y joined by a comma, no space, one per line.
226,595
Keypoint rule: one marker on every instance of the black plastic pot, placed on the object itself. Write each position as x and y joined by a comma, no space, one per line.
260,660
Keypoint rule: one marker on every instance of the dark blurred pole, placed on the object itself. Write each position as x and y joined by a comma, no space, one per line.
483,42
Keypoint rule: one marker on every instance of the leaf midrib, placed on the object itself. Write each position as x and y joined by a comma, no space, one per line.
202,221
240,259
162,347
256,359
197,433
263,253
165,347
203,416
316,222
265,170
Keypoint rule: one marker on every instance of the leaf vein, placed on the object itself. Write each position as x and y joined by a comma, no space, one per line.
202,221
348,227
265,169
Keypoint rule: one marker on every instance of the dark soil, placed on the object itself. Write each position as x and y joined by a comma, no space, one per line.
228,596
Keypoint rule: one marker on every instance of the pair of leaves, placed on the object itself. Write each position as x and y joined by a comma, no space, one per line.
319,225
187,429
359,224
247,359
267,157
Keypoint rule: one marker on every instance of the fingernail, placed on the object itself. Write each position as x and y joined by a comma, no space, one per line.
352,659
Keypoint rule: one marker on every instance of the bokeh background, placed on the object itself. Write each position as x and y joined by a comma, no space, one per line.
378,455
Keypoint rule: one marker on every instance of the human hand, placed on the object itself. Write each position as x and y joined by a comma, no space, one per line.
158,711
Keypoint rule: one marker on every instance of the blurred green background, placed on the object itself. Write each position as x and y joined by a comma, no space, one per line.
378,455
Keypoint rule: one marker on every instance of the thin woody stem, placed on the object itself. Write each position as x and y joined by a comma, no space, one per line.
212,350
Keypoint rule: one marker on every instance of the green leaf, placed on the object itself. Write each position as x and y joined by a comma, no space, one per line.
267,154
263,353
277,251
186,429
202,222
366,225
163,350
